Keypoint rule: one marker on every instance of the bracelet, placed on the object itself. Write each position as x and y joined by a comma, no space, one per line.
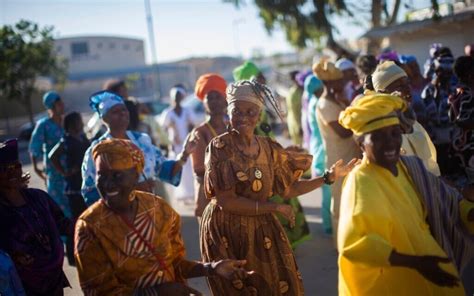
326,178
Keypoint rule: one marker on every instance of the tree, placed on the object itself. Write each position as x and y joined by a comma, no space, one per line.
26,52
307,21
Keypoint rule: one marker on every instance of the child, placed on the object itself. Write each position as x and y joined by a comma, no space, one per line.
66,158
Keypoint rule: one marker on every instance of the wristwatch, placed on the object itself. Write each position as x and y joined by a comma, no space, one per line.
326,177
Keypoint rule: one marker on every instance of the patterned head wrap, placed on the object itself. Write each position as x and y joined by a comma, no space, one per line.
210,82
119,154
434,49
345,64
385,74
326,71
254,92
246,71
406,59
312,84
371,112
101,102
9,151
50,98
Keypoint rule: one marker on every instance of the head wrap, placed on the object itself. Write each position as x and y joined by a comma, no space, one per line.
312,84
9,151
444,62
406,59
326,71
210,82
385,74
174,91
434,49
244,91
103,101
119,154
246,71
50,98
389,55
345,64
371,112
301,77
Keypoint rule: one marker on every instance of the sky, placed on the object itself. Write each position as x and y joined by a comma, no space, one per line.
182,28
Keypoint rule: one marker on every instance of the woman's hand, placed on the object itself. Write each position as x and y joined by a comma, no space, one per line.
339,170
287,212
178,289
231,269
25,180
191,142
427,266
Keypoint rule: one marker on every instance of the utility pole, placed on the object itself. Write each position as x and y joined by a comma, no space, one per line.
151,35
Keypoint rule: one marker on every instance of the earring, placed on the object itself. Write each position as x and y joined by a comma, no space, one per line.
132,196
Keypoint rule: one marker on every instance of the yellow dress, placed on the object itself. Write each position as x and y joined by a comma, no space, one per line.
379,213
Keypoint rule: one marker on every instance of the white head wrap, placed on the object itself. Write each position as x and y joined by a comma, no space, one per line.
385,74
345,64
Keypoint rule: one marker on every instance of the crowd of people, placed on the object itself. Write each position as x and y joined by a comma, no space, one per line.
390,146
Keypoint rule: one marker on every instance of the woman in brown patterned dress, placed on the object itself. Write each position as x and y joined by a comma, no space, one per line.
242,172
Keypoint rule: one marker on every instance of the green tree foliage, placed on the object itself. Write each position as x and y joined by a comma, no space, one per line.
310,21
26,52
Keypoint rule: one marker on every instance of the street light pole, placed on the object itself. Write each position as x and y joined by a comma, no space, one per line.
151,35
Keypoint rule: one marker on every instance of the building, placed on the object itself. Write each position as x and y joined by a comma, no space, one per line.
455,29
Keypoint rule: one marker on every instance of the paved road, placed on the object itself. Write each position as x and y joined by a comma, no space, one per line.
316,258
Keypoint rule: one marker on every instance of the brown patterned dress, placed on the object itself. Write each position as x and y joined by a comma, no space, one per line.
260,239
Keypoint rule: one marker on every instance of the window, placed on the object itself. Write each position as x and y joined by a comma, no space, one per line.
126,46
99,45
139,48
59,48
111,45
79,48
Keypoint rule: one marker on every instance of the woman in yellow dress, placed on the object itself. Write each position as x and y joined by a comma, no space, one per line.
399,231
242,172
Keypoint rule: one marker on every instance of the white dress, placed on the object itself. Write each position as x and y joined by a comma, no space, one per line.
178,129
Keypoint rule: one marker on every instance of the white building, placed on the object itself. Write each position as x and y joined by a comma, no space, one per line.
100,53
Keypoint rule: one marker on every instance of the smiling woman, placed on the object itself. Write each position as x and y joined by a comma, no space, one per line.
400,227
140,250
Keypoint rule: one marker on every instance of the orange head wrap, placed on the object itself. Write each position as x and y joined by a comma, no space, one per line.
210,82
119,154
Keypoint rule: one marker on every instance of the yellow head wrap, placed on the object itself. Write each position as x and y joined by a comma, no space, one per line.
371,112
119,154
244,91
326,71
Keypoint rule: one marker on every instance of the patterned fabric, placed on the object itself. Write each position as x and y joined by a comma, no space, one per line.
156,165
461,113
436,107
10,283
445,209
30,234
44,137
103,101
113,259
259,239
119,154
74,150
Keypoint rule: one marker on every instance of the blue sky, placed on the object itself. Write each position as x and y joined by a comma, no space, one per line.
183,28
